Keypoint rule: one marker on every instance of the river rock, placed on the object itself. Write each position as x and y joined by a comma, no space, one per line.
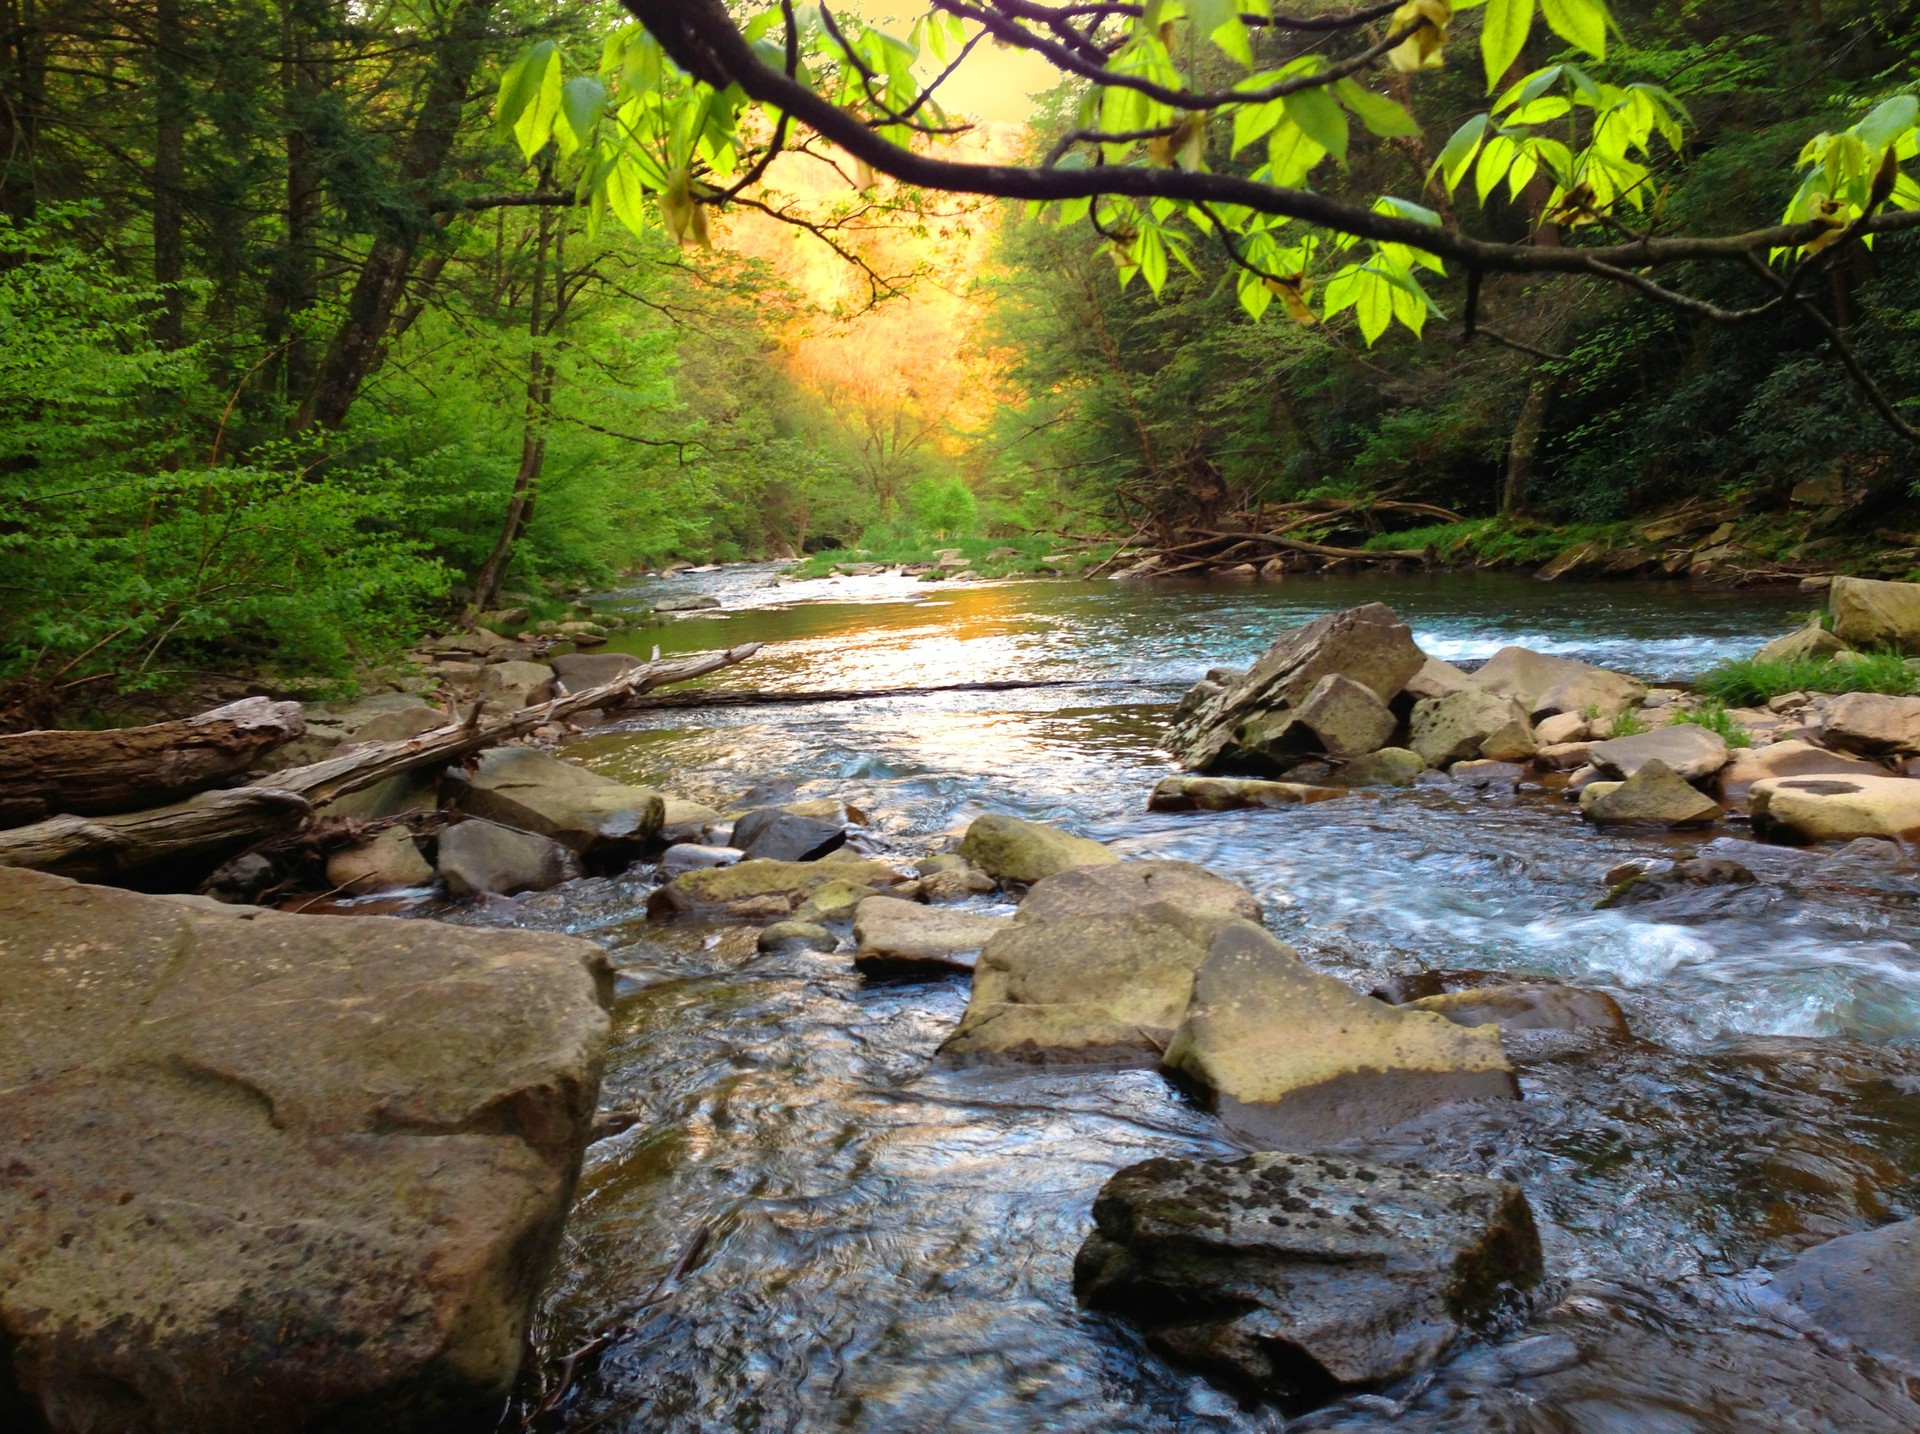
387,862
1435,679
956,883
1655,796
1529,1006
1486,773
1871,724
1084,988
688,602
1561,728
763,889
1563,756
692,856
780,835
592,814
795,936
477,856
1133,886
1809,643
398,725
1368,645
578,671
1016,850
1546,685
271,1172
685,821
1388,767
1345,717
1293,1059
1514,742
1869,614
513,685
1694,753
1863,1288
1451,729
1305,1277
1791,758
896,938
1809,809
1225,794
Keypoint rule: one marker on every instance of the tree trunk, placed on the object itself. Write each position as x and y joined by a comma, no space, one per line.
23,105
293,288
127,768
170,106
355,348
1523,448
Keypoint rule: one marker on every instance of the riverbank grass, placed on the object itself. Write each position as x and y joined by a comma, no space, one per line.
1747,682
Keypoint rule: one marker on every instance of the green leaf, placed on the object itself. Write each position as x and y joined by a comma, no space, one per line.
582,99
1460,149
521,85
1321,119
1291,154
1254,122
1382,116
1504,36
1579,22
1889,120
1374,306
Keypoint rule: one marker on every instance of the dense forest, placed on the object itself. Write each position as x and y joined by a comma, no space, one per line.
322,323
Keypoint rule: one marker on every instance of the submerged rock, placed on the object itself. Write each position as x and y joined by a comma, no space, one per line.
1864,1288
1388,767
795,936
591,814
763,889
1225,794
902,938
690,602
1305,1277
1291,1058
1017,850
279,1172
1367,645
1529,1006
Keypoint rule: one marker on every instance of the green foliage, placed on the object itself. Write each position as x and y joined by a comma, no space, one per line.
1745,682
944,507
1628,724
1712,715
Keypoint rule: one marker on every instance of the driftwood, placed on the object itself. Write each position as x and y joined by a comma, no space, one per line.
199,831
128,769
1286,526
213,826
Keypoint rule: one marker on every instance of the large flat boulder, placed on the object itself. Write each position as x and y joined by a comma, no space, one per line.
1293,1059
1864,1288
1529,1006
279,1172
903,938
1104,989
1867,613
1305,1277
591,814
1367,645
1812,809
1792,758
1694,752
1546,685
1017,850
1872,725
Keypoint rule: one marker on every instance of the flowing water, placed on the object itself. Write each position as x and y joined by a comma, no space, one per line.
892,1240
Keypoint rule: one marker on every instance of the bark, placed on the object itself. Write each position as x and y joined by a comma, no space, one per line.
356,346
293,288
1523,448
23,105
197,834
125,769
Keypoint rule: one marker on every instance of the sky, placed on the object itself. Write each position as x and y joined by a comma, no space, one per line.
995,83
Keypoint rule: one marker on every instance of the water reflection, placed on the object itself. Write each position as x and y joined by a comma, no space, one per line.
894,1238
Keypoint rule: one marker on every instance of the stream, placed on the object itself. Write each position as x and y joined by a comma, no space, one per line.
892,1240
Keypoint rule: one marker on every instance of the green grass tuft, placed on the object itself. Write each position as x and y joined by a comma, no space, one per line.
1745,682
1628,724
1713,716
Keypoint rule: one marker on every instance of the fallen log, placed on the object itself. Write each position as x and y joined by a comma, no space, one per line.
202,830
127,769
358,768
190,837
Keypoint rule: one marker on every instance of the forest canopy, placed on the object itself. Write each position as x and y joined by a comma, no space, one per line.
323,322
